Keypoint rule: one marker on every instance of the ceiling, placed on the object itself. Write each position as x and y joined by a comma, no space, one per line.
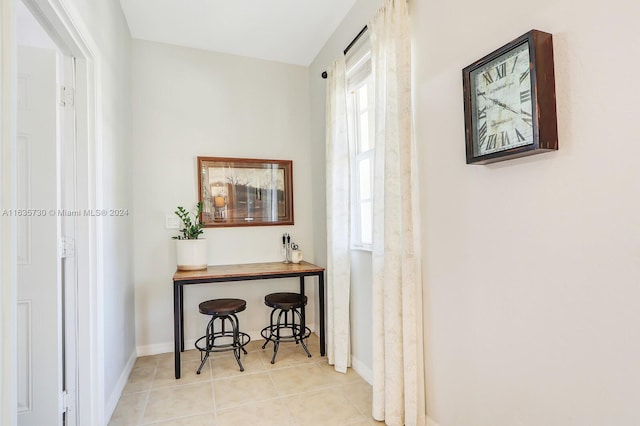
290,31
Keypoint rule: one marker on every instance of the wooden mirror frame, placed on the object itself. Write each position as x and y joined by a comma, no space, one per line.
245,192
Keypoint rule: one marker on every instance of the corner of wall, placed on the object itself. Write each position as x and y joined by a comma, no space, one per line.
362,369
114,397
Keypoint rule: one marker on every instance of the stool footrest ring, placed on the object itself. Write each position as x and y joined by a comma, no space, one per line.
235,345
273,333
243,340
270,333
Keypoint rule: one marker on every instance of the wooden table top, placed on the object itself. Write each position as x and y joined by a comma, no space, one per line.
247,270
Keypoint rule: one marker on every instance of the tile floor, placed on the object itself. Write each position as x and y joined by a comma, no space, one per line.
296,390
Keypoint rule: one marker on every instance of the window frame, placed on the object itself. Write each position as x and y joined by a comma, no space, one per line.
359,75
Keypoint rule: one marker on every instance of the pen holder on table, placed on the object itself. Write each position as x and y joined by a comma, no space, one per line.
286,247
286,251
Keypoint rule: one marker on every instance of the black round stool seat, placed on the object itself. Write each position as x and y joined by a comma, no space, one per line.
221,339
287,321
222,306
285,301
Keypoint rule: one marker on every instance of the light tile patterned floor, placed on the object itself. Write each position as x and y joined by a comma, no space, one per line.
295,391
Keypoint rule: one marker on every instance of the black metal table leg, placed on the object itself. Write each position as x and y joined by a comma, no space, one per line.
321,291
302,310
181,318
177,337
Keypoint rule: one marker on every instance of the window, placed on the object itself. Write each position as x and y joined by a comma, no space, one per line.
361,137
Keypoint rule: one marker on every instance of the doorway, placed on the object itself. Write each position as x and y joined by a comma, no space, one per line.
46,311
79,329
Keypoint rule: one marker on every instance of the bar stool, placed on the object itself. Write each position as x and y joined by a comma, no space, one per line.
285,304
223,310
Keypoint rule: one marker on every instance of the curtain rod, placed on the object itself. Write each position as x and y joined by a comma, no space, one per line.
362,31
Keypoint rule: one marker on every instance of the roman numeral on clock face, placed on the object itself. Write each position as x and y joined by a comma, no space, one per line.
525,96
482,114
501,70
482,133
487,77
519,136
515,61
524,76
505,139
492,141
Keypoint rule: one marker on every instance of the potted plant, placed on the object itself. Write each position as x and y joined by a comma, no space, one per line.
191,251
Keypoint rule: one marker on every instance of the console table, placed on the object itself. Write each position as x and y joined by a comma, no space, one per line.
243,272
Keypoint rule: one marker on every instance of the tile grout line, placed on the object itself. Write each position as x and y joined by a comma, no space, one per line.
280,398
213,390
151,389
213,396
146,401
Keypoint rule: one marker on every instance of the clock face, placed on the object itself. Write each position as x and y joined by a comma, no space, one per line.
501,106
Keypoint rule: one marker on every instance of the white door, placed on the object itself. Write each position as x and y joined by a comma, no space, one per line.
68,224
39,276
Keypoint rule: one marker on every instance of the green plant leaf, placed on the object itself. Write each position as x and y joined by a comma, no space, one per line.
191,229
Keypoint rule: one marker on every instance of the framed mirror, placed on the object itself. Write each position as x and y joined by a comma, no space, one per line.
245,192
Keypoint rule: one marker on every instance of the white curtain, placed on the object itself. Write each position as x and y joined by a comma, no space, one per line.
398,368
338,219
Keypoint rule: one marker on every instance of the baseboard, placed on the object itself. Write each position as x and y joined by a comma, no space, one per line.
119,388
431,422
362,369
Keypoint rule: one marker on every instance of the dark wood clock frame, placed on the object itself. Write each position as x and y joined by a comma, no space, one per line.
543,98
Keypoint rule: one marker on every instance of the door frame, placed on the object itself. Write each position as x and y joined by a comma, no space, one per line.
68,31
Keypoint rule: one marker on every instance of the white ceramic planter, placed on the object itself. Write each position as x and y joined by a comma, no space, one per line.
191,255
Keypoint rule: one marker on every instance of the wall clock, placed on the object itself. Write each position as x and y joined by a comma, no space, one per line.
510,101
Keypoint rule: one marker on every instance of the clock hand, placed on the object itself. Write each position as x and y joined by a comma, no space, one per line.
505,106
497,102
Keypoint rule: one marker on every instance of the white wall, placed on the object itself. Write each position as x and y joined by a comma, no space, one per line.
104,23
532,266
356,19
189,103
